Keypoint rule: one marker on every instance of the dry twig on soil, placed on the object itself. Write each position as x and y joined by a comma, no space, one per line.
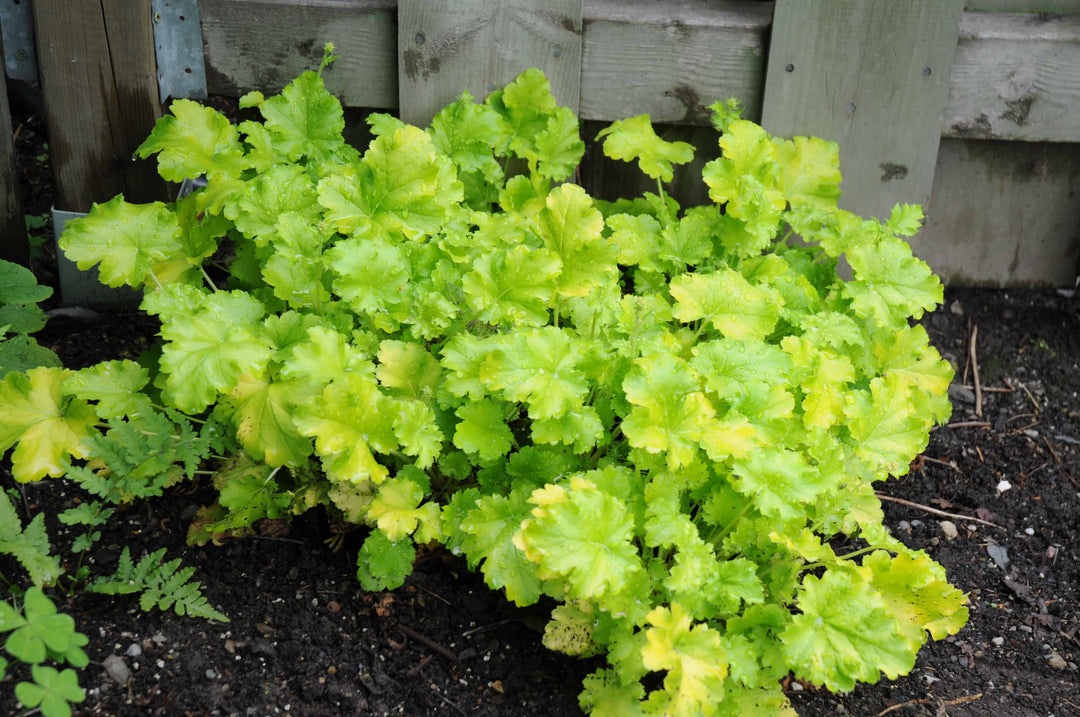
972,351
941,703
935,511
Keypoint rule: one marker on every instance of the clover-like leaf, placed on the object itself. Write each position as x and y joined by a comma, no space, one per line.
42,630
51,691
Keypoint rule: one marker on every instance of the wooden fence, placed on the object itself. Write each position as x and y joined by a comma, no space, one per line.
971,109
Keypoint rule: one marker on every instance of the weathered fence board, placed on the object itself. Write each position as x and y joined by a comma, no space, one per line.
98,81
13,246
671,60
1051,6
1016,77
872,75
1004,214
481,45
264,44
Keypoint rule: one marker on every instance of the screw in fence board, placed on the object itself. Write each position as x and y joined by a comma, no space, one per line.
13,246
872,75
99,83
481,45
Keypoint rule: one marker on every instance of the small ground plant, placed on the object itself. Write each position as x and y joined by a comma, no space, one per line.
128,462
669,420
21,316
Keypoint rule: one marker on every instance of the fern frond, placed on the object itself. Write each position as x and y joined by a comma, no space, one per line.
163,585
29,545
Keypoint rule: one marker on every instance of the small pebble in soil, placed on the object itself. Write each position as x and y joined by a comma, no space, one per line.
999,554
1003,485
1029,531
133,650
999,641
210,674
1056,661
904,526
116,669
959,393
949,529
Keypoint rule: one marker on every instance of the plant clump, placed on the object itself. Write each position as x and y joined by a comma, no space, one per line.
669,420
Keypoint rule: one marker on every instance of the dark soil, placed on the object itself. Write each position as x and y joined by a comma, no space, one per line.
305,639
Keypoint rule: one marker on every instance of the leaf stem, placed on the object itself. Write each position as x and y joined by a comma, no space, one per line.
207,277
716,536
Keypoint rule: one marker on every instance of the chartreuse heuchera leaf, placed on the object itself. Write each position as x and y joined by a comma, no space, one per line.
662,418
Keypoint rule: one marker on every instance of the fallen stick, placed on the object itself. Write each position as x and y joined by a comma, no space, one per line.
940,703
968,424
990,389
425,640
975,369
935,511
1030,397
947,464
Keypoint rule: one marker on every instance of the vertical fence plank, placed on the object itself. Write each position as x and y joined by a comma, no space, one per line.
872,75
13,246
98,80
480,45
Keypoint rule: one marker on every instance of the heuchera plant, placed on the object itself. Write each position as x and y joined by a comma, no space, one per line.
670,421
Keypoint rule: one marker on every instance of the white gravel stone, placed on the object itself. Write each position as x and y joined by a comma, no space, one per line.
949,529
116,669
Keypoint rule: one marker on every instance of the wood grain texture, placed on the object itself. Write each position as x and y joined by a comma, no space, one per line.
99,85
671,60
1016,77
1065,7
872,75
481,45
1004,214
264,44
13,246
